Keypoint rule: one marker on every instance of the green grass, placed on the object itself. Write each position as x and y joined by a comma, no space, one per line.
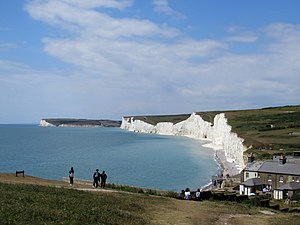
161,118
139,190
291,220
267,131
30,204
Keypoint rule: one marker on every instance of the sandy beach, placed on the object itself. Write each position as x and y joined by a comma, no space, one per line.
226,167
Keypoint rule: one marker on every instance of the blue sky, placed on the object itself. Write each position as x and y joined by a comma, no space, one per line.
110,58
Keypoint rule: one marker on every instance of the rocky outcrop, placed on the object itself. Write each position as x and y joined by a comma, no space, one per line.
79,123
44,123
219,133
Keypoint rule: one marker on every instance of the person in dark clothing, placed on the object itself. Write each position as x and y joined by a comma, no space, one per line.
71,176
197,194
96,178
103,177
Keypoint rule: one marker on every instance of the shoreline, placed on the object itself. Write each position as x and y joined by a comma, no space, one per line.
224,167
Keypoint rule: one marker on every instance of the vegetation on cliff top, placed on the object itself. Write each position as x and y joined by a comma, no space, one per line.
82,122
266,131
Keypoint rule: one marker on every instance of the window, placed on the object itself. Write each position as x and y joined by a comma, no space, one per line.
293,178
269,177
247,175
297,179
281,179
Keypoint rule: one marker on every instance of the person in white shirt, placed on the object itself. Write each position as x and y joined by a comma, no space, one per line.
187,194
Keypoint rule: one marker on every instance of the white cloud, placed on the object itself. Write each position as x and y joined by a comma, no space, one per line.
7,46
241,34
243,38
135,66
89,22
117,4
162,6
85,4
101,43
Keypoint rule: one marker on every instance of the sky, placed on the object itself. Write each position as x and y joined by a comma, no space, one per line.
104,59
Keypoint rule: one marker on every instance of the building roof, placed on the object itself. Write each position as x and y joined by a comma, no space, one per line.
252,182
290,186
253,166
275,167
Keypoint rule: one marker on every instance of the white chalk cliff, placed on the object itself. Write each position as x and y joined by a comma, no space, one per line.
44,123
219,133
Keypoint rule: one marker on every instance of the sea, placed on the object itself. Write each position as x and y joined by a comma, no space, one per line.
144,160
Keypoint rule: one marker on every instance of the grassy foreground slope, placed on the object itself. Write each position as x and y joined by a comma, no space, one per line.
35,204
265,131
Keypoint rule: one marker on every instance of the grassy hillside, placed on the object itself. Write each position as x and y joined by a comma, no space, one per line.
266,131
34,204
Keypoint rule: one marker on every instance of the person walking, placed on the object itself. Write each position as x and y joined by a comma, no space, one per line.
103,177
71,176
96,178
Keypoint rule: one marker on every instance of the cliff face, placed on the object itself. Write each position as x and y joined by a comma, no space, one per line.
44,123
219,133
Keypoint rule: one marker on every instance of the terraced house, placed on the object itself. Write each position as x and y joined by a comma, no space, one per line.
279,178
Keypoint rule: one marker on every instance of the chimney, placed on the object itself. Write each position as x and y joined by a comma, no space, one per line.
282,160
251,158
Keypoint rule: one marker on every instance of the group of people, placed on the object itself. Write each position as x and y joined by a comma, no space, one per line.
188,196
101,178
97,178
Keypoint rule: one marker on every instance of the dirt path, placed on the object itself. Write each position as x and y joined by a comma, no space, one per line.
78,184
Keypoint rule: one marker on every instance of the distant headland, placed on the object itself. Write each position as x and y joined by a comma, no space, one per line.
68,122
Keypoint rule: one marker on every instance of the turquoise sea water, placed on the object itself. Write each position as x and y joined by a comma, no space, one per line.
144,160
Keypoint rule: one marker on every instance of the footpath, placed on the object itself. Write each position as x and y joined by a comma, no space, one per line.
82,185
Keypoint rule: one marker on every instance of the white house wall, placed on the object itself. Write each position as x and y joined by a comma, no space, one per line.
250,175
